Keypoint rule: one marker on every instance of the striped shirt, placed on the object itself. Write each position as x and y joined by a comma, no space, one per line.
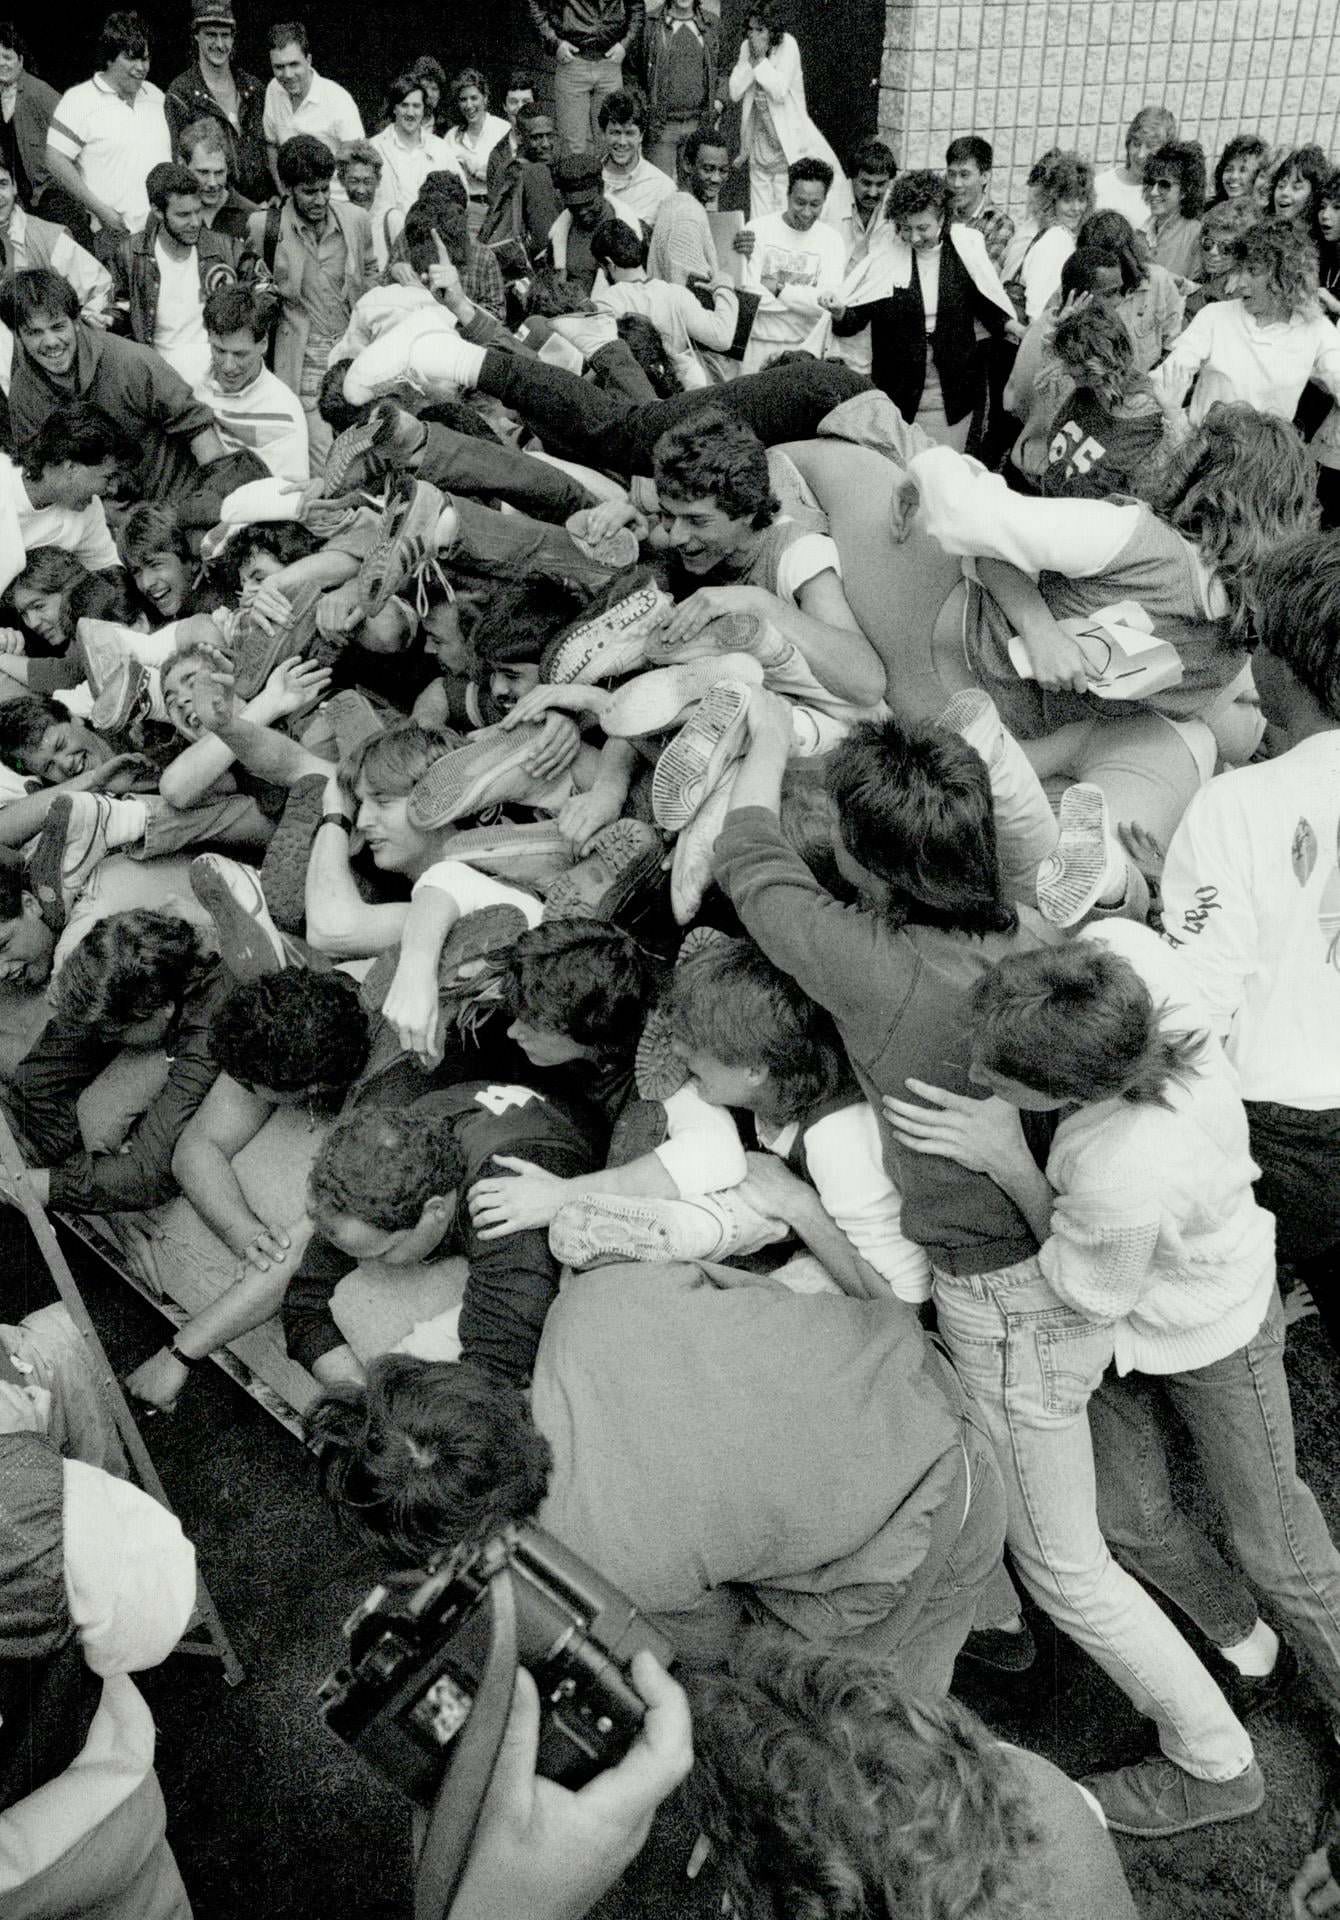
266,418
113,142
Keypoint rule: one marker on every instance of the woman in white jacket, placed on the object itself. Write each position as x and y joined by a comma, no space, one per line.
775,126
1153,1253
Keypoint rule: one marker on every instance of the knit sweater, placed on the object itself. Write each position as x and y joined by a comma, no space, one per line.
1154,1227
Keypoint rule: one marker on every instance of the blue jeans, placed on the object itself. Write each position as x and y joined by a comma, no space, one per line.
1238,1414
1030,1365
580,85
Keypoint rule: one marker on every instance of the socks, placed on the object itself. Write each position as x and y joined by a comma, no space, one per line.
1256,1655
126,820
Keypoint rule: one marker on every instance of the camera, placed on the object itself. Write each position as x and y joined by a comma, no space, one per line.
417,1650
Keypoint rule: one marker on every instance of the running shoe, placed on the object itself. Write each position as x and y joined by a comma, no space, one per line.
699,754
406,545
610,638
488,770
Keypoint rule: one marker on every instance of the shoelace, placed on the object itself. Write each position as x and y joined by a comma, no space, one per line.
430,568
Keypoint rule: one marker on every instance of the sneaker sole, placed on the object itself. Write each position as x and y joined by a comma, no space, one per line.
728,633
620,552
260,653
632,854
535,852
691,764
353,445
46,869
656,701
403,544
605,644
245,948
466,780
968,713
476,937
608,1228
1070,880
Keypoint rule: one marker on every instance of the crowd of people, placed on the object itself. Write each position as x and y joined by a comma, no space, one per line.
769,781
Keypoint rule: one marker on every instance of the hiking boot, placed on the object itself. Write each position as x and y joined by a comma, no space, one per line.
250,944
1154,1797
622,858
610,638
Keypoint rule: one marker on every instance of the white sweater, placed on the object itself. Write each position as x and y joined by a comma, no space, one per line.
1231,356
1155,1227
1251,900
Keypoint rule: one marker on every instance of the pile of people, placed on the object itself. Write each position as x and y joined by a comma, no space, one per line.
770,783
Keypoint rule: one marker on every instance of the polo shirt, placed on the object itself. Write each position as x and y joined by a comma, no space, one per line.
327,111
139,392
266,418
24,527
644,188
113,142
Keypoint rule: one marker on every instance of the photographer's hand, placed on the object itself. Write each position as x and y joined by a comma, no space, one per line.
550,1854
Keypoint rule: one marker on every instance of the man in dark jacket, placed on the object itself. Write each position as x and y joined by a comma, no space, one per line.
679,59
212,88
589,40
165,274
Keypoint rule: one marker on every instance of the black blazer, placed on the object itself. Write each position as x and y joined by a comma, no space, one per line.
898,338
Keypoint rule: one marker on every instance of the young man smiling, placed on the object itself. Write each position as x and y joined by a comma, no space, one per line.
52,499
793,257
252,407
629,176
165,272
107,132
301,100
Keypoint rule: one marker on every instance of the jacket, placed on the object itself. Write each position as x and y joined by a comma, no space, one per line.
898,341
188,98
656,39
592,26
360,272
34,104
137,278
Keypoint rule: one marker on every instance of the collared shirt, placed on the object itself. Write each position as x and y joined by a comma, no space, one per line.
995,227
23,526
404,170
644,188
266,418
113,142
326,111
321,293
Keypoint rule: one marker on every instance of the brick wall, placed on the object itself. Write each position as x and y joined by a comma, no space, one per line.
1031,74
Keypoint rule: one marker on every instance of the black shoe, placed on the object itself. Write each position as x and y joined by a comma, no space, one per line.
1250,1693
1003,1652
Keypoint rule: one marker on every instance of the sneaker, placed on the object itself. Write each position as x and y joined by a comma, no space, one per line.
695,851
622,858
1001,1651
610,638
700,752
283,873
619,552
124,696
1154,1797
1252,1693
1072,879
489,769
468,984
533,854
259,653
608,1226
656,701
353,721
79,832
250,944
350,463
406,544
728,633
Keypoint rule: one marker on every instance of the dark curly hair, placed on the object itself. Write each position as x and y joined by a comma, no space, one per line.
921,191
587,981
428,1455
127,968
1281,249
1295,600
714,456
294,1032
914,809
383,1168
1184,162
829,1794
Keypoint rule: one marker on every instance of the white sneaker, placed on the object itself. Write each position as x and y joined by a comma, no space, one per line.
606,1226
656,701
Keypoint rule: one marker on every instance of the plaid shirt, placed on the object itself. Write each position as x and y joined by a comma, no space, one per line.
996,228
482,280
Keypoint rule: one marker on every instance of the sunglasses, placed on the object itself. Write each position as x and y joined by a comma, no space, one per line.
1166,185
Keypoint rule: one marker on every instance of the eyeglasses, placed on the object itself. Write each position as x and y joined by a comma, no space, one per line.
1166,185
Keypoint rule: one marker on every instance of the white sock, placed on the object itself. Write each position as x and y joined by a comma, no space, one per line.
126,820
1256,1655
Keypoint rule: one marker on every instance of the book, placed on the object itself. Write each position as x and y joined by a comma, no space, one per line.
724,227
1123,661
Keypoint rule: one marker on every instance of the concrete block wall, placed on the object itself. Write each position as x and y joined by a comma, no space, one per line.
1032,74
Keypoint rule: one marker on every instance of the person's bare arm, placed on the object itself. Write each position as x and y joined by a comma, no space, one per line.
412,1005
821,627
293,685
263,752
1058,664
340,921
227,1119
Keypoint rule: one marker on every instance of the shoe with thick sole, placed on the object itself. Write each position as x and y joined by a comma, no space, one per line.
658,1067
351,461
658,700
608,1226
283,870
486,771
529,854
622,859
610,638
619,551
475,939
259,653
1154,1797
73,841
695,759
249,941
1070,880
407,542
972,715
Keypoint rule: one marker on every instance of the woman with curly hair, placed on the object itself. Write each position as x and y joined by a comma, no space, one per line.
1175,196
828,1793
1151,303
1185,556
1110,429
1060,199
1263,346
1223,222
1295,183
1238,165
1328,242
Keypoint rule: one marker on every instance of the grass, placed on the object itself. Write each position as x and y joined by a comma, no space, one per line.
271,1817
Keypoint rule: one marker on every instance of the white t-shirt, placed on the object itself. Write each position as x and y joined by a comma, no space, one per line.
24,527
645,189
1112,193
179,326
328,112
472,890
807,264
806,557
113,142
